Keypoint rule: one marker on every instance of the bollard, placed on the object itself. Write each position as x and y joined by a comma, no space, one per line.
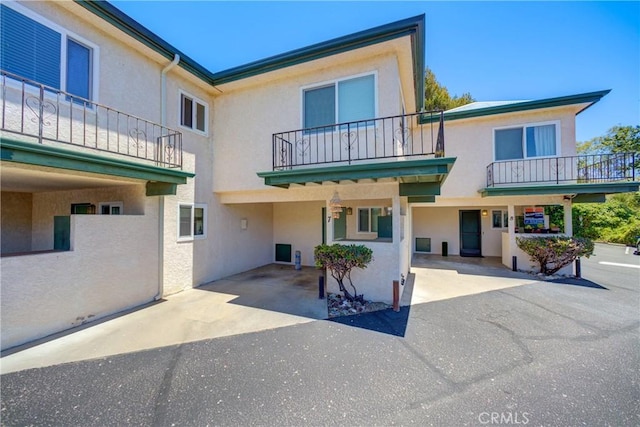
396,296
321,287
578,272
298,260
514,263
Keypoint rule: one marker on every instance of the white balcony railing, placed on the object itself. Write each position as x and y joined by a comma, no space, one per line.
49,115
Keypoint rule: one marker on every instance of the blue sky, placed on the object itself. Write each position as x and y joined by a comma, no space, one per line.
494,50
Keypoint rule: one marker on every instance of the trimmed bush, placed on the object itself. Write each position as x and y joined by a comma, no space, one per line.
554,252
340,260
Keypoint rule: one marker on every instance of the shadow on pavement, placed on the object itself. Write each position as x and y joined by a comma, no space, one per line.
574,281
384,321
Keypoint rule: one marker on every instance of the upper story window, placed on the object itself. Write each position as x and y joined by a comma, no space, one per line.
194,113
522,142
340,101
39,50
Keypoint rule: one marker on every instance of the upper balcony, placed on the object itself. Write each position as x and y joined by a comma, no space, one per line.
585,174
364,141
33,112
407,148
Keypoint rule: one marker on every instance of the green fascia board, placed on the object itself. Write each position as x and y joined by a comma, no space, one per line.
420,189
129,26
590,97
413,27
54,157
567,189
439,167
421,199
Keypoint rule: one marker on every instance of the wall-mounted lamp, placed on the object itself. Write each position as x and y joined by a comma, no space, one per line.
485,212
349,211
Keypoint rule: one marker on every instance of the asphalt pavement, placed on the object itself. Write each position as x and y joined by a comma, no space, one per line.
552,354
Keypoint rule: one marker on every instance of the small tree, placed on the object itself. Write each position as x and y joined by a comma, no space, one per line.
553,253
340,260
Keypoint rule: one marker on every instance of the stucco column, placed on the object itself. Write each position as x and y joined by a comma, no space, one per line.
328,223
568,218
511,252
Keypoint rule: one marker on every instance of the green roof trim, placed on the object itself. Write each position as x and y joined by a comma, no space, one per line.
590,97
54,157
566,189
431,170
133,28
413,27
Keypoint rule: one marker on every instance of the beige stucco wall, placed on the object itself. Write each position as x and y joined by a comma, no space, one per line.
300,225
110,268
246,119
50,204
443,225
16,221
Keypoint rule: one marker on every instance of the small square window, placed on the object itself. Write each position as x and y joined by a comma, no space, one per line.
499,219
192,221
368,219
193,113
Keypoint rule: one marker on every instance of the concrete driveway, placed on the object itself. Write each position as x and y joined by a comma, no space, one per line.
268,297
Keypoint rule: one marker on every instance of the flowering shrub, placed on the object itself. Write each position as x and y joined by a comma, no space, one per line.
553,253
340,260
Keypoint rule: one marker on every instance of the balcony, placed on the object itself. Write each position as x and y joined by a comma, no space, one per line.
33,112
364,141
588,169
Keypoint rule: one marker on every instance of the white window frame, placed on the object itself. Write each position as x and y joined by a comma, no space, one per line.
65,34
111,205
382,210
192,236
524,126
195,100
504,219
334,83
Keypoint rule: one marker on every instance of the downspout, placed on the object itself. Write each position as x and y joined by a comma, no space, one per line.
163,122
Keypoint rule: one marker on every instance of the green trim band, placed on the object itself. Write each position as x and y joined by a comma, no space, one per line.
54,157
590,97
567,189
437,168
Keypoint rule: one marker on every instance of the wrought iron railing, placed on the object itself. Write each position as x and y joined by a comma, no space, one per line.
596,168
51,115
381,138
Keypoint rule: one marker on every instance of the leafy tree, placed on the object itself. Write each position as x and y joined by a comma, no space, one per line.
437,97
617,220
619,139
340,260
553,253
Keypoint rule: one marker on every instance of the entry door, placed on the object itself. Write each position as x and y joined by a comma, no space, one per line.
340,226
470,233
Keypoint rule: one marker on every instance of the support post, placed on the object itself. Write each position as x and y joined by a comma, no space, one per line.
321,287
396,296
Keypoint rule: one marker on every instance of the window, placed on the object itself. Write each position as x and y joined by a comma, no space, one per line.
341,101
193,113
110,208
39,50
538,140
499,219
192,223
368,219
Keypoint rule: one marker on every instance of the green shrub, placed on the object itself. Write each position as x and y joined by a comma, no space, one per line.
554,252
340,260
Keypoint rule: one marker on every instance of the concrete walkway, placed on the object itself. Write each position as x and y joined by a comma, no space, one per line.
437,278
265,298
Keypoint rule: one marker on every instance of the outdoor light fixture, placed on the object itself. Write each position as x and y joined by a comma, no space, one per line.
349,211
485,212
335,206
